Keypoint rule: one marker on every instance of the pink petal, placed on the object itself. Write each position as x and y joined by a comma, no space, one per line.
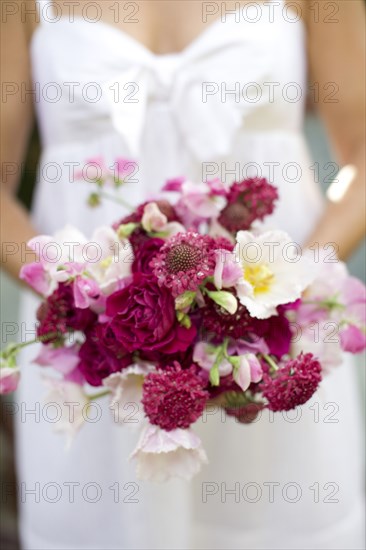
36,277
352,339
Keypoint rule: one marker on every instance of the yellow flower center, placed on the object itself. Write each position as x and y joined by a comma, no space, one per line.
259,276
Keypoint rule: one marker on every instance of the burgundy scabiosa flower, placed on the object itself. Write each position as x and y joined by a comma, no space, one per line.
185,261
144,318
174,397
293,384
101,355
58,313
248,200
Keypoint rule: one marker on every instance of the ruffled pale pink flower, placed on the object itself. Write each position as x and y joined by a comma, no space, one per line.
126,394
339,298
9,379
161,455
322,340
72,404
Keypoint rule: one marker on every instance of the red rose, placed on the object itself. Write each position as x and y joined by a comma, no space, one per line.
144,318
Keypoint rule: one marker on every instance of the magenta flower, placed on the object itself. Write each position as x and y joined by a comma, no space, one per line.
293,384
174,398
144,253
144,318
101,355
185,261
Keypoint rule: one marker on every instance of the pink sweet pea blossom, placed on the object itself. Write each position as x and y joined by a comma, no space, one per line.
352,339
205,356
153,219
36,277
9,379
248,370
227,271
162,454
62,359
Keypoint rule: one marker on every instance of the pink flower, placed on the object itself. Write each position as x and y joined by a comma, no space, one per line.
248,370
292,384
36,277
352,339
184,262
161,455
322,340
174,184
9,379
153,219
205,356
205,200
227,271
62,359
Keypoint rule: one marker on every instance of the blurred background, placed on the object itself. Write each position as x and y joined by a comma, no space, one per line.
9,313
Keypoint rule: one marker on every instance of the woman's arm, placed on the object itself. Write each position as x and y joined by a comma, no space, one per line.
337,55
16,123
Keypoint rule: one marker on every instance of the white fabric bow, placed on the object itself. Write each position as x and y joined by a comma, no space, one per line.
192,86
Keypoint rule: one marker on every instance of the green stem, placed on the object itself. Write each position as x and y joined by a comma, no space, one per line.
98,395
42,338
116,199
270,361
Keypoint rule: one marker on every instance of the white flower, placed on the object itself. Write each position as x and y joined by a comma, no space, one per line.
273,272
71,403
114,260
126,394
161,455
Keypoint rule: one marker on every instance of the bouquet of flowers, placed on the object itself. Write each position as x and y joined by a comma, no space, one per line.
182,304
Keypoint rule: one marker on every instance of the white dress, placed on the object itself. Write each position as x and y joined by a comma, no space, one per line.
279,483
